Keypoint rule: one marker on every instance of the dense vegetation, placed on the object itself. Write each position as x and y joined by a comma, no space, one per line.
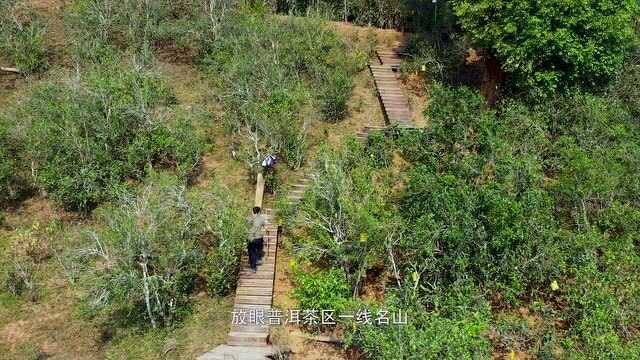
101,133
526,207
23,37
270,71
154,247
138,27
408,15
116,113
554,45
503,230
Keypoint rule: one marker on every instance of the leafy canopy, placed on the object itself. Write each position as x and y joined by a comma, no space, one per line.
549,44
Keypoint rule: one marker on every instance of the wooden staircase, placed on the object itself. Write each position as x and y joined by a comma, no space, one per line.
254,293
249,335
395,104
390,56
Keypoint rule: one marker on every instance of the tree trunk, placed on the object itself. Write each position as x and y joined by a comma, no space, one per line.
145,284
491,78
10,69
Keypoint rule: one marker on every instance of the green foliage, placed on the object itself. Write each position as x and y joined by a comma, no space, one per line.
13,185
140,26
346,218
112,131
148,255
515,199
625,87
322,290
552,45
267,69
456,333
399,14
379,149
427,336
229,227
22,32
508,202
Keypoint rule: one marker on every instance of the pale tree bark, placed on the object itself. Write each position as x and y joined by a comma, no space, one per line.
10,70
147,295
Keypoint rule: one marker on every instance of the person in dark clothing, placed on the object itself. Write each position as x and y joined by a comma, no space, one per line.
257,222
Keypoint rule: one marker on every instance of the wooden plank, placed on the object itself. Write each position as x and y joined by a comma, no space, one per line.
259,190
262,291
250,328
404,103
242,338
255,283
253,299
258,275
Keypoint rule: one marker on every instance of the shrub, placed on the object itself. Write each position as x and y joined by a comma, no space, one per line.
13,185
379,149
97,26
23,41
322,290
114,112
587,47
334,92
427,334
347,221
17,277
230,231
266,82
384,14
148,254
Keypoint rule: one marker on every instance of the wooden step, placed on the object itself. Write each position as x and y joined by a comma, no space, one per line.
257,275
379,67
268,264
261,283
380,78
261,291
251,328
242,338
390,92
253,299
